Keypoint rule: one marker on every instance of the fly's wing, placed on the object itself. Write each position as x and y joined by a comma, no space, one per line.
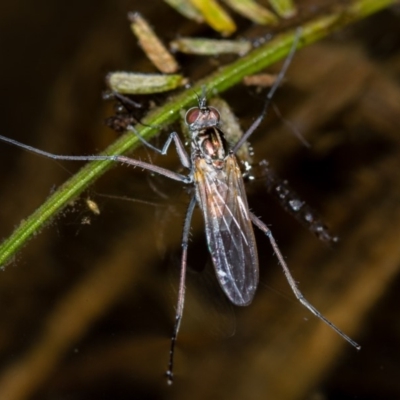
229,230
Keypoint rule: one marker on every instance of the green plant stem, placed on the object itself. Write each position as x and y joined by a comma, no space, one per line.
218,82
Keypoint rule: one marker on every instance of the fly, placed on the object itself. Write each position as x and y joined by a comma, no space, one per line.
220,194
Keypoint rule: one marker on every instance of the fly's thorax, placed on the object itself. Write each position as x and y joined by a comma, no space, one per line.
210,144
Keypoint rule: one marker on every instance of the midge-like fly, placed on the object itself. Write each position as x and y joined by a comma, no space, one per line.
220,194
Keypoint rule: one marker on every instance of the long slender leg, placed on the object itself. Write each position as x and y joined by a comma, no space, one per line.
182,287
180,148
293,284
270,94
120,159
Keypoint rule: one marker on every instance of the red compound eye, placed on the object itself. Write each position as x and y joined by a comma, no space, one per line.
192,114
214,113
210,114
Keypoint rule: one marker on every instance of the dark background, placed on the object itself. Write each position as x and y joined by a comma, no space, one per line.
87,308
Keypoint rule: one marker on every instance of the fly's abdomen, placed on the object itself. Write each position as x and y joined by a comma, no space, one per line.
230,236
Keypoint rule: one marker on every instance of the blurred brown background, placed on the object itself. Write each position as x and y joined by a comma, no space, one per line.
87,308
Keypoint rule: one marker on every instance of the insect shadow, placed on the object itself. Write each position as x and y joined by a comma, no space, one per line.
220,194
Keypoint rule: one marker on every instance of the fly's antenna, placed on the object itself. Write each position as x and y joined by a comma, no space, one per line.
199,99
203,99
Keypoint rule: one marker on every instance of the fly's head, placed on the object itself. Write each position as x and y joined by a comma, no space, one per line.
208,141
201,117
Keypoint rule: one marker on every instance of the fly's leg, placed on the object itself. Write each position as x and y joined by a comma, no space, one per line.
161,171
180,148
282,192
182,286
116,122
185,238
116,158
270,94
291,202
257,222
